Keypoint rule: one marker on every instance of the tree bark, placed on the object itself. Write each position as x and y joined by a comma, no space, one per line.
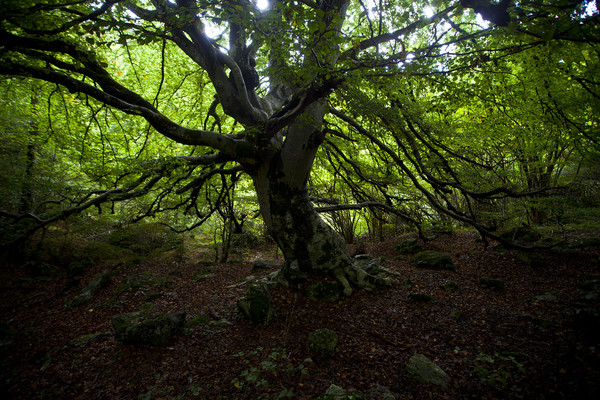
299,231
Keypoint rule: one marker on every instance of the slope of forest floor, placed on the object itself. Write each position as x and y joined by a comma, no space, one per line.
517,342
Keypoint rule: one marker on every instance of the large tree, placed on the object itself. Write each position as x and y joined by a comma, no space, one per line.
363,87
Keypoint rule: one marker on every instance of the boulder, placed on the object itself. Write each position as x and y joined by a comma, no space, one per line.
424,370
327,291
262,264
380,393
334,392
292,275
368,263
140,328
99,282
433,260
322,342
257,306
409,246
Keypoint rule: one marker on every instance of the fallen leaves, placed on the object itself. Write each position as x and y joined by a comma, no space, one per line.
379,331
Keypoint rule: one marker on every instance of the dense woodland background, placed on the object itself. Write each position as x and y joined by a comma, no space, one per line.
188,150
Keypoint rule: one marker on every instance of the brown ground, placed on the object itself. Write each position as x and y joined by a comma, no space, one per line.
493,344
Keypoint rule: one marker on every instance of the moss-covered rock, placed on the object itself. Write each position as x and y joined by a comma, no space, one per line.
257,305
424,370
140,328
409,246
368,263
322,342
327,291
261,264
99,282
335,392
433,260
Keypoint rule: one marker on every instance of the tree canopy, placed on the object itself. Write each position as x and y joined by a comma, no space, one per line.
428,112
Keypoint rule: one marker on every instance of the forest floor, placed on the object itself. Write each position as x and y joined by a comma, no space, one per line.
517,342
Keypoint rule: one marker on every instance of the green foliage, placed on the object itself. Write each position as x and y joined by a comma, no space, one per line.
438,121
261,365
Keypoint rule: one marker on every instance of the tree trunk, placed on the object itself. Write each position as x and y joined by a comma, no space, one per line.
301,234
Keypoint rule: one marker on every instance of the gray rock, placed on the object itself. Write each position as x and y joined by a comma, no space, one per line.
257,306
368,263
433,260
424,370
409,246
292,275
263,264
221,323
140,328
99,282
322,342
327,291
380,393
334,392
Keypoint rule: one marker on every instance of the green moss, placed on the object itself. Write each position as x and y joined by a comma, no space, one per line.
198,320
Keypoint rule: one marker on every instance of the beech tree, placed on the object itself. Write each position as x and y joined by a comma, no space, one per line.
368,91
